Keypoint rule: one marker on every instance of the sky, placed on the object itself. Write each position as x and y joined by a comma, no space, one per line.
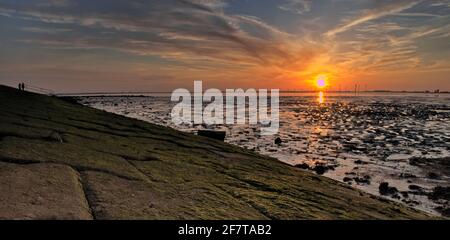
161,45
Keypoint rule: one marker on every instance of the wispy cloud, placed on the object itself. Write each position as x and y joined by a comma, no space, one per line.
209,39
379,9
176,29
297,6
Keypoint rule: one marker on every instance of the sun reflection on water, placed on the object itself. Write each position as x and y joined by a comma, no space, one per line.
321,98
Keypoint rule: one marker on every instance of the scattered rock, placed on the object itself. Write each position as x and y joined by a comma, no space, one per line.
445,211
411,202
347,179
361,162
415,188
385,189
440,193
319,169
278,141
396,196
432,175
302,166
362,180
435,166
407,175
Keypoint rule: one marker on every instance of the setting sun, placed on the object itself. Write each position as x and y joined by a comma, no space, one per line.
321,81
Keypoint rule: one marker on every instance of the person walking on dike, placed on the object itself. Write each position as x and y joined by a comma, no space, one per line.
22,86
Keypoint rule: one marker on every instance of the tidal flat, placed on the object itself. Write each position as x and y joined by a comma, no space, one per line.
366,141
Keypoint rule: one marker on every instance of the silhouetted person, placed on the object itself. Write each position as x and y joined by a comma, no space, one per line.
22,86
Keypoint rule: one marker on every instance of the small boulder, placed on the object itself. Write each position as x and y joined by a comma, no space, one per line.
278,141
439,192
347,179
218,135
385,189
360,162
362,180
302,166
415,187
445,211
319,169
407,175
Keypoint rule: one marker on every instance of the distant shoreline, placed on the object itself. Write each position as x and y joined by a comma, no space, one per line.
141,94
132,93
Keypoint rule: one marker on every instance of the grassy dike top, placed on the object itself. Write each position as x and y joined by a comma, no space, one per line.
62,160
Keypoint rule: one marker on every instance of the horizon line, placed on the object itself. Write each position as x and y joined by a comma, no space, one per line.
281,91
52,92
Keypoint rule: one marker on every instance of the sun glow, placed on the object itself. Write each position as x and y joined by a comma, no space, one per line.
321,81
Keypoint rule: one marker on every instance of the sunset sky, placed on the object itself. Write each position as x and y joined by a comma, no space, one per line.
123,45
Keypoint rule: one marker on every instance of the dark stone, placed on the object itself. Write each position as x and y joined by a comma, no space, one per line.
278,141
445,211
360,162
347,179
407,175
432,175
415,188
440,193
320,169
396,196
302,166
385,189
362,180
218,135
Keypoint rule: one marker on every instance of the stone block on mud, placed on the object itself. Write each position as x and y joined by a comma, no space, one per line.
218,135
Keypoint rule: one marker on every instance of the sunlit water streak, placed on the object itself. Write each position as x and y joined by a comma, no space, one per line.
321,98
